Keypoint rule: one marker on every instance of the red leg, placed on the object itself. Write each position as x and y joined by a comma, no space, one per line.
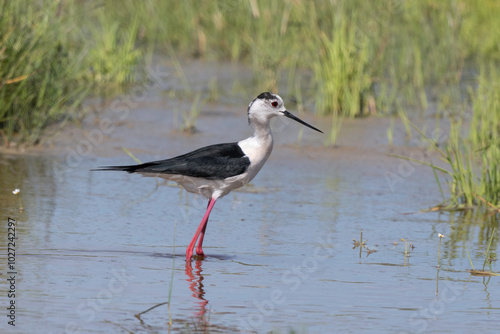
203,226
199,250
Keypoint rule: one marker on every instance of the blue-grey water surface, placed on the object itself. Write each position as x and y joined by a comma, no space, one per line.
96,249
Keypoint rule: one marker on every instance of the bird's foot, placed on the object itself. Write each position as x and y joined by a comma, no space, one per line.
198,258
189,254
199,255
199,252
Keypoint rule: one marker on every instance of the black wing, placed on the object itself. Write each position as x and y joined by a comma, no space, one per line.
214,162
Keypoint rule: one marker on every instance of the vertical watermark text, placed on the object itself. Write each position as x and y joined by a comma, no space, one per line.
11,272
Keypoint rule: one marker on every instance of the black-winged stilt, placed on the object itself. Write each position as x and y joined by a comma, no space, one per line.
213,171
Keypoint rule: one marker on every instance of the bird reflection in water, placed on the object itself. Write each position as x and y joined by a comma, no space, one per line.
195,280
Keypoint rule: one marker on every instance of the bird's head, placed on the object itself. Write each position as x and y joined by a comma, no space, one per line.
268,105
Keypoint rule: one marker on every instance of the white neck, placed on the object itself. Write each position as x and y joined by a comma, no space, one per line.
261,130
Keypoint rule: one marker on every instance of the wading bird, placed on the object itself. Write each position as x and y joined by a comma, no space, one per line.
213,171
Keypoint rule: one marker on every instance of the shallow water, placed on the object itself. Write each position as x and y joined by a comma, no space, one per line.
94,249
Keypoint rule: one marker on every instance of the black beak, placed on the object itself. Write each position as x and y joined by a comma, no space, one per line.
289,115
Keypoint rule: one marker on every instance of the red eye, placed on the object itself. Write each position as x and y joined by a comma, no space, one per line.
274,104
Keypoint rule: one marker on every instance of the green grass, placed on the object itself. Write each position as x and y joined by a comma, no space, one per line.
112,53
474,158
352,57
470,172
342,68
49,62
33,89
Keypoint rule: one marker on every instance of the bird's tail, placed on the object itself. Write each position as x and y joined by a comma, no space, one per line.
128,169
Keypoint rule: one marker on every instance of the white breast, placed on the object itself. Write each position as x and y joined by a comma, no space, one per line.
257,149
